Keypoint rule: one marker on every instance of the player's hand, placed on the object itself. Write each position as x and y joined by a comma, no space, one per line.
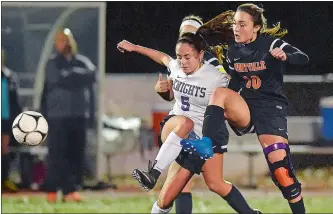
162,85
125,46
278,53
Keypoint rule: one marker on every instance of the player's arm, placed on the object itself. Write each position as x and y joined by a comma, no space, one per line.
288,53
164,88
295,56
155,55
70,79
54,77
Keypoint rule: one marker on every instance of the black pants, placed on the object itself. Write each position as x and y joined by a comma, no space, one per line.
65,162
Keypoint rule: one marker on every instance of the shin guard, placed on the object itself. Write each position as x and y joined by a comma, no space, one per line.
283,173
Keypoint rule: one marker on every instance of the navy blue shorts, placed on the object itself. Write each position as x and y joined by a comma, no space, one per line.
269,118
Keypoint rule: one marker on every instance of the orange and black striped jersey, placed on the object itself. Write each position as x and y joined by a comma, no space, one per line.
255,73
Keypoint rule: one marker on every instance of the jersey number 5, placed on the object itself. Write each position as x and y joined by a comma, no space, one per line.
253,81
185,103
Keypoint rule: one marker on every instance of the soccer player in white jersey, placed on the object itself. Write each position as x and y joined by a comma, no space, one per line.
191,83
191,23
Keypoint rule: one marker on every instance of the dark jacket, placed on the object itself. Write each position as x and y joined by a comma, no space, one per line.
68,87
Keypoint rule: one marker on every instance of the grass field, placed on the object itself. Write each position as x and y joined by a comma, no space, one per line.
117,202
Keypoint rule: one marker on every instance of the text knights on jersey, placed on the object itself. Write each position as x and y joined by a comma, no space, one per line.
189,89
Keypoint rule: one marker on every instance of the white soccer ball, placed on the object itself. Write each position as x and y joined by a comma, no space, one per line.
30,128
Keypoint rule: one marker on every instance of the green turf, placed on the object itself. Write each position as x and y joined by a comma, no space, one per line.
142,204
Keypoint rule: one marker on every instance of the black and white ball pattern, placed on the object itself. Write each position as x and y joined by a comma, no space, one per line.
30,128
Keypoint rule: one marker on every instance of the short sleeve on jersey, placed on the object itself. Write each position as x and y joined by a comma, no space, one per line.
172,69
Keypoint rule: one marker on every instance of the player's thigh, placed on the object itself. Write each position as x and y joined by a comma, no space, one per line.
173,170
173,123
271,127
236,109
267,140
213,168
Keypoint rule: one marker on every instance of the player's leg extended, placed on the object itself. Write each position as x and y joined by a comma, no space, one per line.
190,164
236,111
213,175
171,189
184,199
223,102
183,202
277,153
174,130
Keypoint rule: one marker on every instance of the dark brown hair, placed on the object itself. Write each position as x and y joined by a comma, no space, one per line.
257,14
218,30
197,42
218,33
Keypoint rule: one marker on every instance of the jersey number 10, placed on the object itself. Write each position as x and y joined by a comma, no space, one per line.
253,81
185,103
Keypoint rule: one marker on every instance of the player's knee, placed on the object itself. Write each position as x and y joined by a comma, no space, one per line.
187,188
217,185
164,201
282,171
218,97
185,125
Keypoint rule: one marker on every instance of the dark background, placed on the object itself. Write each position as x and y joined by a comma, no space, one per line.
156,24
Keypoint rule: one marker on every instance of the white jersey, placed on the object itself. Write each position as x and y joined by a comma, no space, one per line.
192,92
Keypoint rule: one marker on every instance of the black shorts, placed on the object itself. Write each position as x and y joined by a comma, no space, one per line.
6,127
268,117
194,163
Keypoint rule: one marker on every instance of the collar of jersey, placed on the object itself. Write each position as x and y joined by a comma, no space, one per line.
253,43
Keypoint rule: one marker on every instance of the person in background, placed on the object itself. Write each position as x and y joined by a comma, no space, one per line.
68,78
146,138
10,108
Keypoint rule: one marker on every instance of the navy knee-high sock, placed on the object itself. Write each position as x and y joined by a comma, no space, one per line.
184,203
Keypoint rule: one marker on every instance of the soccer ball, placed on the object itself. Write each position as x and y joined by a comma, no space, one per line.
30,128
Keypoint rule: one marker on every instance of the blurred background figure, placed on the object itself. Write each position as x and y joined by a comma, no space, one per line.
67,104
146,139
10,108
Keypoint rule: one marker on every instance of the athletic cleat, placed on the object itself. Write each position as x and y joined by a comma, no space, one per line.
146,180
256,211
202,147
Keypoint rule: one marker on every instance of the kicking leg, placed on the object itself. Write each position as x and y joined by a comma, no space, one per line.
223,102
184,199
174,130
171,189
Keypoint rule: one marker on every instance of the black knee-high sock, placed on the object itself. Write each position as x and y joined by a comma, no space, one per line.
184,203
236,200
4,167
298,207
214,125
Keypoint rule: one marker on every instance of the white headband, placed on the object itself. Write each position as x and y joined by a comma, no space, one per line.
191,23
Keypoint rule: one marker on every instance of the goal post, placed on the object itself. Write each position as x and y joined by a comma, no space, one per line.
38,25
